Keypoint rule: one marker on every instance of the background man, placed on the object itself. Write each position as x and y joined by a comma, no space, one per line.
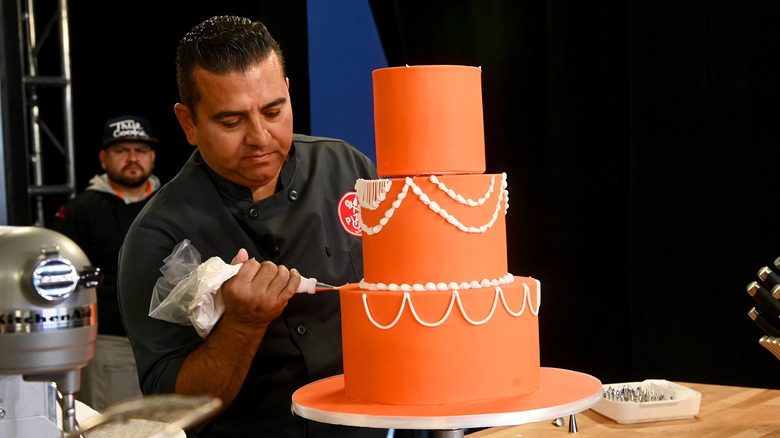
97,220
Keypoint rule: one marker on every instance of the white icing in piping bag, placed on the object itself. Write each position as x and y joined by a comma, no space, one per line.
308,285
311,285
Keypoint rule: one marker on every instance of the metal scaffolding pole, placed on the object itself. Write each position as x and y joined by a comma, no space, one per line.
33,81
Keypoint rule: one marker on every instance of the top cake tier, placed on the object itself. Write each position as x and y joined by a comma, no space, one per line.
428,120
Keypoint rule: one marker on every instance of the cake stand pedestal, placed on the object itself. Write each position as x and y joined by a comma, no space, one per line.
561,392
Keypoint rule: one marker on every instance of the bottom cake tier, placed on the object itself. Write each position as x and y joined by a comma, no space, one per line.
443,346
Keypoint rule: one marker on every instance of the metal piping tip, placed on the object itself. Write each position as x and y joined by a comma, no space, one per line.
753,313
572,424
776,291
764,272
752,288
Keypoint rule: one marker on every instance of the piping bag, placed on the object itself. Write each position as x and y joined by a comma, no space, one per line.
188,293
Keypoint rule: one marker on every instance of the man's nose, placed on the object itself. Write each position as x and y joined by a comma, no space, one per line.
257,134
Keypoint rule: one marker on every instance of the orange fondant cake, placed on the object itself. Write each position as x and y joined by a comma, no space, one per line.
437,319
428,120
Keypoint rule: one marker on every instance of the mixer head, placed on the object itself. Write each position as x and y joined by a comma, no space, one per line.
48,317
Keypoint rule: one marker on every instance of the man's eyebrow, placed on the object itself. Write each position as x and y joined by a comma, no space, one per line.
276,102
226,114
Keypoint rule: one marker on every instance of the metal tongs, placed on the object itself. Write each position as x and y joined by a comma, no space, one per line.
766,314
772,344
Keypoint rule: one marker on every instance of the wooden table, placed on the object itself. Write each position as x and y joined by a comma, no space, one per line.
726,411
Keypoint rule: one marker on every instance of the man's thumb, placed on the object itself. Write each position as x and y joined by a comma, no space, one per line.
241,257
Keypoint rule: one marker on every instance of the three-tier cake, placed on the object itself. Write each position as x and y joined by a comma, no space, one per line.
438,318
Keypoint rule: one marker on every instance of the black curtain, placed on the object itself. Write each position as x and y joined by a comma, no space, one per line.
640,141
123,62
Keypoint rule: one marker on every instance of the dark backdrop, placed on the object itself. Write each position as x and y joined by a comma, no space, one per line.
123,62
641,141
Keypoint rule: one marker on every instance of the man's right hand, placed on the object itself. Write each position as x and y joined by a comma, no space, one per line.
258,293
253,298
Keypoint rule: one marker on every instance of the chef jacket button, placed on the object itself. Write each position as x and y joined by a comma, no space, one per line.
301,330
253,213
293,195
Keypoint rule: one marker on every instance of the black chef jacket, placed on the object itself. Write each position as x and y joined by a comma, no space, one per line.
97,222
299,227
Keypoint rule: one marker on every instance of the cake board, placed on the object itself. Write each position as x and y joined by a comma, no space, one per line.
561,392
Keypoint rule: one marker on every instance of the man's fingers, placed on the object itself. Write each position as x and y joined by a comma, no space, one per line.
246,273
278,277
282,282
292,284
275,282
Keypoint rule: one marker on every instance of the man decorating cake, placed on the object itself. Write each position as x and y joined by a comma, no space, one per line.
258,195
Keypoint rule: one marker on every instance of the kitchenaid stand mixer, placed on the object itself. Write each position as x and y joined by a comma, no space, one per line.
48,327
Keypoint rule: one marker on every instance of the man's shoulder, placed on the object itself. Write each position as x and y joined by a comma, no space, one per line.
317,157
320,147
191,187
302,140
90,197
87,208
192,173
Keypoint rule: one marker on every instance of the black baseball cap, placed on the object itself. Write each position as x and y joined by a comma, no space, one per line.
128,128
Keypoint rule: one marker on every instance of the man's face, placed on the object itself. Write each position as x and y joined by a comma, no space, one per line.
244,124
128,163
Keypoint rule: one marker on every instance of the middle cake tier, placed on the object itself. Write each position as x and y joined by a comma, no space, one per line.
433,231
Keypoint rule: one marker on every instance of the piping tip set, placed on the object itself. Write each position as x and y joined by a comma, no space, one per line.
649,400
635,394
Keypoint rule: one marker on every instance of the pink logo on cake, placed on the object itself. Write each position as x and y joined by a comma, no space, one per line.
348,212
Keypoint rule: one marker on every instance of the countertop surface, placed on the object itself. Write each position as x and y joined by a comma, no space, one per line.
726,411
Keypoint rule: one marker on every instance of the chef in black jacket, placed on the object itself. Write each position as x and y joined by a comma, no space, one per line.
253,193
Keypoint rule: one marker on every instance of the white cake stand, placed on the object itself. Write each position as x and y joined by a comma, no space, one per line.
561,392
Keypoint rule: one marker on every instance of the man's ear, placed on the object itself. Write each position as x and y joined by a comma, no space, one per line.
184,115
102,158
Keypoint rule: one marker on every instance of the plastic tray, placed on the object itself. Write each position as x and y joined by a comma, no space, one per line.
678,403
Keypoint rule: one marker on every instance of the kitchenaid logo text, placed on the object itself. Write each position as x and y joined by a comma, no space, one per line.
16,321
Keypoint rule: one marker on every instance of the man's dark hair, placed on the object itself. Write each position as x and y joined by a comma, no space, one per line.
221,45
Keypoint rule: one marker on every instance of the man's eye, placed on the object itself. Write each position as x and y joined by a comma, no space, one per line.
273,114
231,123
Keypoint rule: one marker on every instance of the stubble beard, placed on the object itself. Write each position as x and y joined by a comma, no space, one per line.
129,180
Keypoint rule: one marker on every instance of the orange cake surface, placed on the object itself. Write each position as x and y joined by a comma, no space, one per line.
429,229
441,347
428,120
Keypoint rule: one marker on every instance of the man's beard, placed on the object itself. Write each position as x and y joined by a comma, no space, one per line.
131,181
